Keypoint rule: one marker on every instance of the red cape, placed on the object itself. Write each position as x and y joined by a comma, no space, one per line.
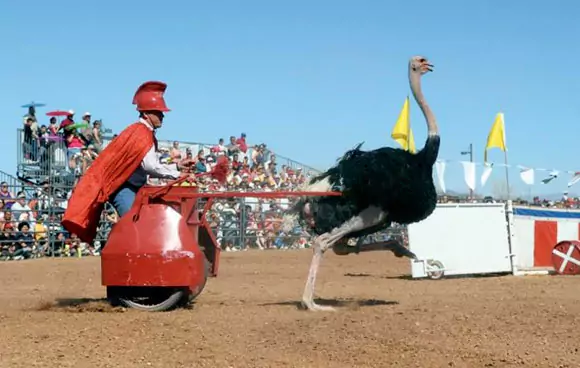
111,169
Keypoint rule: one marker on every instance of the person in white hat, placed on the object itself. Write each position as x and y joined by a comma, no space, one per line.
86,131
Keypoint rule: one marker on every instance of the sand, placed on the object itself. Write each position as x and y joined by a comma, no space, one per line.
52,314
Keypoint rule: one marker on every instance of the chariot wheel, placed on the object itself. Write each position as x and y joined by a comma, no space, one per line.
154,298
435,269
147,298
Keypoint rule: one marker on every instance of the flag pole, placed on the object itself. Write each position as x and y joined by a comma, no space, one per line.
505,158
507,177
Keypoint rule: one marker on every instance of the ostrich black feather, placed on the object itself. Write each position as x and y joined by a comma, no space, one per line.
397,181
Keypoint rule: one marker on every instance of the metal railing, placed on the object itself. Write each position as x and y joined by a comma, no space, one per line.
30,222
48,159
246,223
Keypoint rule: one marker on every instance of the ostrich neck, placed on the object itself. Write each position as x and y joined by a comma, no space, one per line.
415,81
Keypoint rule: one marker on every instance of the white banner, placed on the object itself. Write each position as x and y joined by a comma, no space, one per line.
527,175
487,168
440,170
469,174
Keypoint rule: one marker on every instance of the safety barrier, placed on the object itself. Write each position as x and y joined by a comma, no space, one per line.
537,231
482,238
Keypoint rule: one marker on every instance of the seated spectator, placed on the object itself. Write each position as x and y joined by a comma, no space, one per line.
6,195
200,165
258,156
24,242
236,164
245,167
188,161
20,210
40,230
8,243
86,158
9,222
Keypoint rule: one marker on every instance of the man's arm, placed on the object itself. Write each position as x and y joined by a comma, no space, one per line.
156,169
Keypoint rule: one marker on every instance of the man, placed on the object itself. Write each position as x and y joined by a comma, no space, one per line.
86,130
68,121
122,167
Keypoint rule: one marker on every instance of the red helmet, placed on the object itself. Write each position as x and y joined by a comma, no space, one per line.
149,97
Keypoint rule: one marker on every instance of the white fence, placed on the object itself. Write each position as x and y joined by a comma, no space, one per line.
487,238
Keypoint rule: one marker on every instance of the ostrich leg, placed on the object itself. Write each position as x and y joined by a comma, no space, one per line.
367,218
392,245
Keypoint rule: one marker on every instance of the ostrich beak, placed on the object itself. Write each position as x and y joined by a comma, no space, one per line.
429,67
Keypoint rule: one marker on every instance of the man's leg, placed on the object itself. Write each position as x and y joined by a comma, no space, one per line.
123,200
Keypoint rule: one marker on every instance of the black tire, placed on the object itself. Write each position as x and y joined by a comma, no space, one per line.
147,298
154,298
190,296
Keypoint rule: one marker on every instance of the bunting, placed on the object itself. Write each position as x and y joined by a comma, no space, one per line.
527,174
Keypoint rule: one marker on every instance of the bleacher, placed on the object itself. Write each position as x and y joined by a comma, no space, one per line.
45,178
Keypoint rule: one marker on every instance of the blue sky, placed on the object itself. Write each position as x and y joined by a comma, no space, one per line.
310,78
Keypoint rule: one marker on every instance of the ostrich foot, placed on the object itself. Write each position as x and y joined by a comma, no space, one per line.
311,306
343,249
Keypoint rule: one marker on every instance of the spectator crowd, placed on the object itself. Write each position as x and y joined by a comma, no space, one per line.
239,223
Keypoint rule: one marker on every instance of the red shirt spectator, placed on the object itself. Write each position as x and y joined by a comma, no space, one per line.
241,142
68,121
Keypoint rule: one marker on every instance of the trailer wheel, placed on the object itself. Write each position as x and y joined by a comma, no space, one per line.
435,270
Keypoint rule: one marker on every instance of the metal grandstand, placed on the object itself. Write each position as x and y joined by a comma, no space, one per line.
50,164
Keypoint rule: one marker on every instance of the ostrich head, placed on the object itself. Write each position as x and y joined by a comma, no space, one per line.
420,65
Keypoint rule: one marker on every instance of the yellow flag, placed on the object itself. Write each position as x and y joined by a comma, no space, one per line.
496,137
402,132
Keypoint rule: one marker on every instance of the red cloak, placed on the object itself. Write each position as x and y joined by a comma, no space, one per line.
111,169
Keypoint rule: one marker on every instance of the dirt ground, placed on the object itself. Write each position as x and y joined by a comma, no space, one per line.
52,315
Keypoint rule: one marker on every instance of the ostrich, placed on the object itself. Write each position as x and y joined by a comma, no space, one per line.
378,187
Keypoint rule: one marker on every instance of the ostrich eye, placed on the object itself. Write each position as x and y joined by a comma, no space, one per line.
422,60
